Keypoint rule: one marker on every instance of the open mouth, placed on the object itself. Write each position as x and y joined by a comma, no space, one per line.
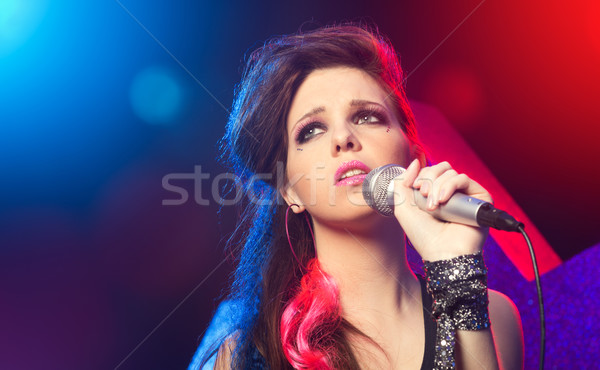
351,173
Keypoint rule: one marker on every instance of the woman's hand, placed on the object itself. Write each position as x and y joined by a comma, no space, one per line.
432,238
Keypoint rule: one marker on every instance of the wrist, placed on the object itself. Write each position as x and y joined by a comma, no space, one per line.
451,253
458,286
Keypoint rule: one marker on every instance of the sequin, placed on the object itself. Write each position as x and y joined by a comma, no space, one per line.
460,301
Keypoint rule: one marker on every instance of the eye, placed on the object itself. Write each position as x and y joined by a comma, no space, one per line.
369,116
309,131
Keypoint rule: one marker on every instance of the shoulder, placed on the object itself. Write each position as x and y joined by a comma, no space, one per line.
506,330
225,353
253,358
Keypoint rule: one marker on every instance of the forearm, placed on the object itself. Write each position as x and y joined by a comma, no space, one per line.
475,350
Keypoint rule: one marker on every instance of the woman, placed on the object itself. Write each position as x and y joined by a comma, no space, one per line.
313,114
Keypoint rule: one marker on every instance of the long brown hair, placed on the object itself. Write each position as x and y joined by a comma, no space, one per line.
267,274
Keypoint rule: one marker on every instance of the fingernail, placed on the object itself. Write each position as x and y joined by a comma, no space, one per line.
409,168
441,196
424,186
430,202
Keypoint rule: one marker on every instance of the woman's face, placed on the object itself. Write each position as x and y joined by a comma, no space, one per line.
340,126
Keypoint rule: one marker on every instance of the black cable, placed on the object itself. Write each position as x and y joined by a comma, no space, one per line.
539,292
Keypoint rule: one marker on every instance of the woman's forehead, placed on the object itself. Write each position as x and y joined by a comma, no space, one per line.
336,86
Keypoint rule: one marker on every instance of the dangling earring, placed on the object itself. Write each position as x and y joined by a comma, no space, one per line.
287,211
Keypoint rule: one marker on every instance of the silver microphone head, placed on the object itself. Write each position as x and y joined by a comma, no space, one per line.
376,188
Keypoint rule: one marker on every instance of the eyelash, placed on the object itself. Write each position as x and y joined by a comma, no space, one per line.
372,112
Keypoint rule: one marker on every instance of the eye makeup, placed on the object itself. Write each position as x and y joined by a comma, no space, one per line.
364,114
368,113
306,130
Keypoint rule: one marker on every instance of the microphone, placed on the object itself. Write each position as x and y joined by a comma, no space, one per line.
378,191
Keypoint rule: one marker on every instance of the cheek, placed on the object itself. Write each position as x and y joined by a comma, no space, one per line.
395,146
308,179
313,193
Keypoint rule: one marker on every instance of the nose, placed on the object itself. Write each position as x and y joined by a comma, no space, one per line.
344,139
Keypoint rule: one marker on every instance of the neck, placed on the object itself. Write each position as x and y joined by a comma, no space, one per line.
370,267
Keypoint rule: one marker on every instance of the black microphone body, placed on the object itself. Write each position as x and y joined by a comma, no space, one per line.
378,191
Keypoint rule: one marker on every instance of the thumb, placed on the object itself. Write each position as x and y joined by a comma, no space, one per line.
403,188
411,173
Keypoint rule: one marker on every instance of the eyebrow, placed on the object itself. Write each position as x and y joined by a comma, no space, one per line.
314,111
360,103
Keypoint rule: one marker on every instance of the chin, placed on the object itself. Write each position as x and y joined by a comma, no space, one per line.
351,195
354,217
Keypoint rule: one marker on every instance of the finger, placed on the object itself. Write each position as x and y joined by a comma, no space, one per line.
436,185
428,174
449,186
463,183
405,208
411,173
403,184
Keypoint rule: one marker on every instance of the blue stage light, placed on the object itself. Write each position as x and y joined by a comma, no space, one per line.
18,21
156,96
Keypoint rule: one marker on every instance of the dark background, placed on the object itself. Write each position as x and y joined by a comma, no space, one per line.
100,101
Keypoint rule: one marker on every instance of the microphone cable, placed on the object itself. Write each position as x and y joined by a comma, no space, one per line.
536,273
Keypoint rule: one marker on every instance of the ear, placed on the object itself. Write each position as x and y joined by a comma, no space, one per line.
290,197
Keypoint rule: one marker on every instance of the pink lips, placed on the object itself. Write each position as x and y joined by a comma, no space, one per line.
352,180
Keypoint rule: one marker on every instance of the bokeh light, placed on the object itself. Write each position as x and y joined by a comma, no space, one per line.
156,96
457,92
